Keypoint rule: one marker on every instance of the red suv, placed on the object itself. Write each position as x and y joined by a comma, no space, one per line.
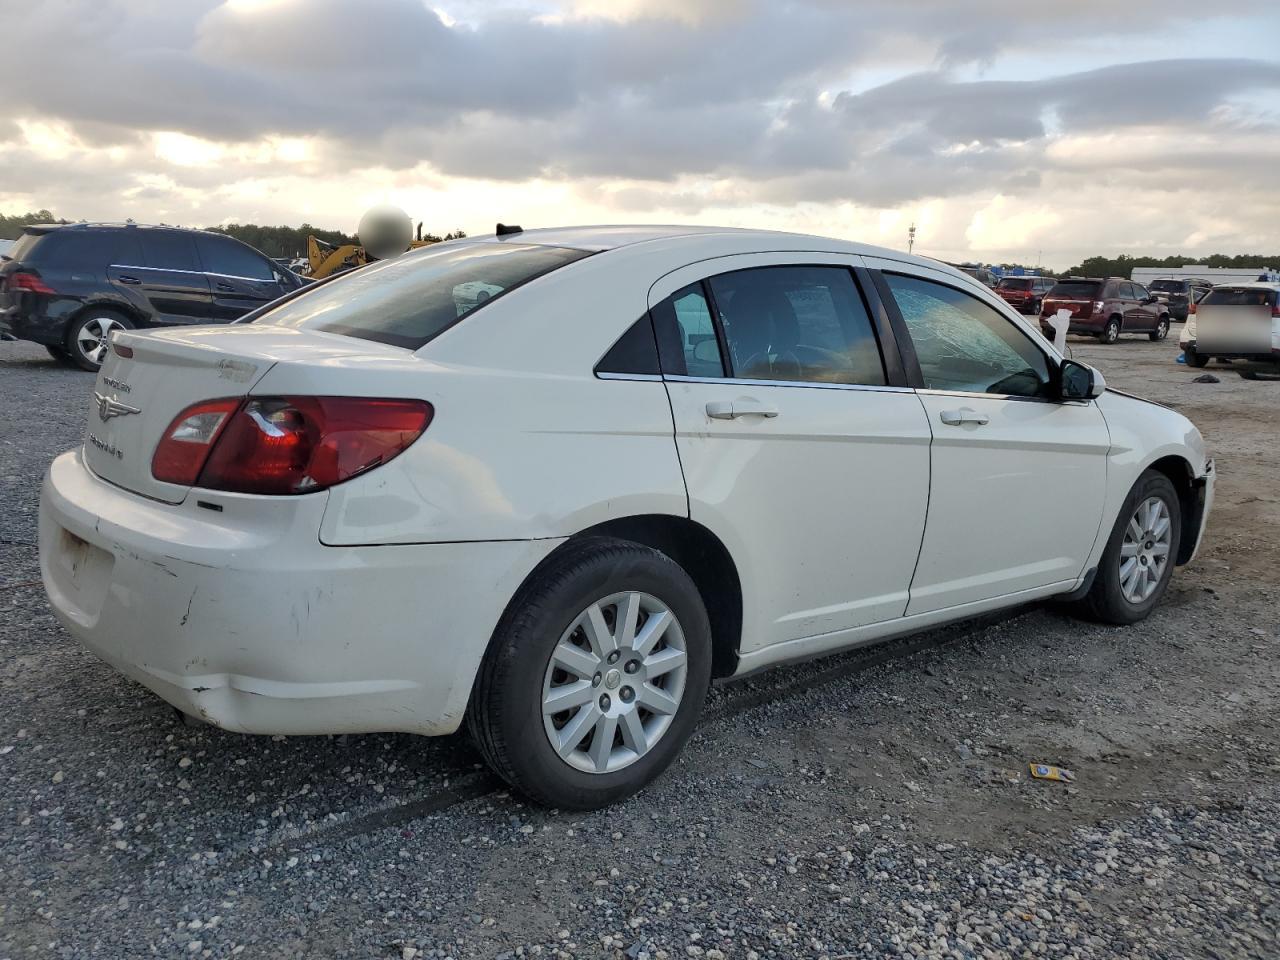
1105,308
1025,294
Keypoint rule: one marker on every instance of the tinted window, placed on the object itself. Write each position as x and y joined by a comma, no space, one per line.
412,298
1077,289
1240,297
232,258
168,250
963,344
635,352
1169,286
23,248
1139,291
797,323
686,336
91,249
1015,283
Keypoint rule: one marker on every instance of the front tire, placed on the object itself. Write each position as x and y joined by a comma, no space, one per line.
595,676
89,336
1161,331
1138,562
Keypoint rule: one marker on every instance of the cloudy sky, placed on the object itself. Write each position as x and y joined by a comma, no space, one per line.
1005,130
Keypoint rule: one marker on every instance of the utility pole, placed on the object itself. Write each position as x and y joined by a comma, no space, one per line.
911,237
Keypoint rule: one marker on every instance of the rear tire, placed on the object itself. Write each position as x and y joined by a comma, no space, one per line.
1194,359
1111,332
1141,552
89,335
549,648
1161,331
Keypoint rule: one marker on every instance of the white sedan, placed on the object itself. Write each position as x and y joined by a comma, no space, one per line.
652,457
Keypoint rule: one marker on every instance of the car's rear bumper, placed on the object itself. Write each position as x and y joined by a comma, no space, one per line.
258,627
1271,357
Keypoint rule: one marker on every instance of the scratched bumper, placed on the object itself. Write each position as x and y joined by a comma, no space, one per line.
243,618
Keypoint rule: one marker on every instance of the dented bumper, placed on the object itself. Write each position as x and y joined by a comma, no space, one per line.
240,616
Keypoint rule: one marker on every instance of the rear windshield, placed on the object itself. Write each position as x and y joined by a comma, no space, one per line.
411,299
1168,286
21,249
1240,297
1083,289
1015,283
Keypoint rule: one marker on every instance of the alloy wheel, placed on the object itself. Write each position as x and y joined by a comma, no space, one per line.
614,682
94,337
1144,552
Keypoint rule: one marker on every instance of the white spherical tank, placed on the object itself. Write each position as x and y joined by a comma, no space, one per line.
385,232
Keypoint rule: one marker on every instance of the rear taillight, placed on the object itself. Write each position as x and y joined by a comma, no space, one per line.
187,442
286,445
28,282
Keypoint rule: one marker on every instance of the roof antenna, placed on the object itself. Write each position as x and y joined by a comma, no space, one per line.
506,231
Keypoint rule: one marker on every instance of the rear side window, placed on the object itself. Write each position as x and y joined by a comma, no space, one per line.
1077,289
803,324
636,352
24,247
231,258
90,249
168,250
411,299
1240,297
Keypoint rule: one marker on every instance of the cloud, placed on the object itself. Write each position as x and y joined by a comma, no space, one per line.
635,107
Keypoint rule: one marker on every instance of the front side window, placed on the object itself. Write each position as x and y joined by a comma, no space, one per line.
230,258
804,324
965,345
411,299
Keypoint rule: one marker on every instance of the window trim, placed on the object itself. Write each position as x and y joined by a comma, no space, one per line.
915,375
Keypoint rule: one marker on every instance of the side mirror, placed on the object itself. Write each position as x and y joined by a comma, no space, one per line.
707,351
1079,381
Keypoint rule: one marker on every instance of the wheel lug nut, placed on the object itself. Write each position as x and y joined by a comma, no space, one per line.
605,702
613,657
632,666
627,694
595,681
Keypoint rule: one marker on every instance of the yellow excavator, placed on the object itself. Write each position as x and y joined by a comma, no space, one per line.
383,232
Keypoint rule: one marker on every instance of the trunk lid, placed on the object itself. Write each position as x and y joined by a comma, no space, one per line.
136,398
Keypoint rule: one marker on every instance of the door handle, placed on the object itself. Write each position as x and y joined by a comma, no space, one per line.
954,418
225,286
734,409
125,278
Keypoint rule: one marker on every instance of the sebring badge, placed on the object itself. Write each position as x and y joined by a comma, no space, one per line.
109,407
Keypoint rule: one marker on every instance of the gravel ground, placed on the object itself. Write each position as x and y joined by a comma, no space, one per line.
846,808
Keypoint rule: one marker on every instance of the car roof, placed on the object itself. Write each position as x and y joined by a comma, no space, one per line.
1249,285
97,225
602,237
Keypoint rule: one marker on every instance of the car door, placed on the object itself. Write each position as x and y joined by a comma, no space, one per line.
1146,310
802,448
240,278
1017,478
169,277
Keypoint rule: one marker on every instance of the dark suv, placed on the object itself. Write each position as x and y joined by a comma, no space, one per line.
1179,294
1105,308
69,286
1025,294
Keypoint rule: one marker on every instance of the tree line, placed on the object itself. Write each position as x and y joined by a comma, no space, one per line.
277,241
1122,266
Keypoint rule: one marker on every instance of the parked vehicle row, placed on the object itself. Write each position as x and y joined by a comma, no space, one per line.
650,457
70,286
1106,308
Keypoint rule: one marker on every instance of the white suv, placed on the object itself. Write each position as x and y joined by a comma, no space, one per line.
651,457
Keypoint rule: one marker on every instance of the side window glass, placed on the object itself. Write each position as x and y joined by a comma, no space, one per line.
635,352
168,250
231,259
1139,291
686,336
804,324
963,344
